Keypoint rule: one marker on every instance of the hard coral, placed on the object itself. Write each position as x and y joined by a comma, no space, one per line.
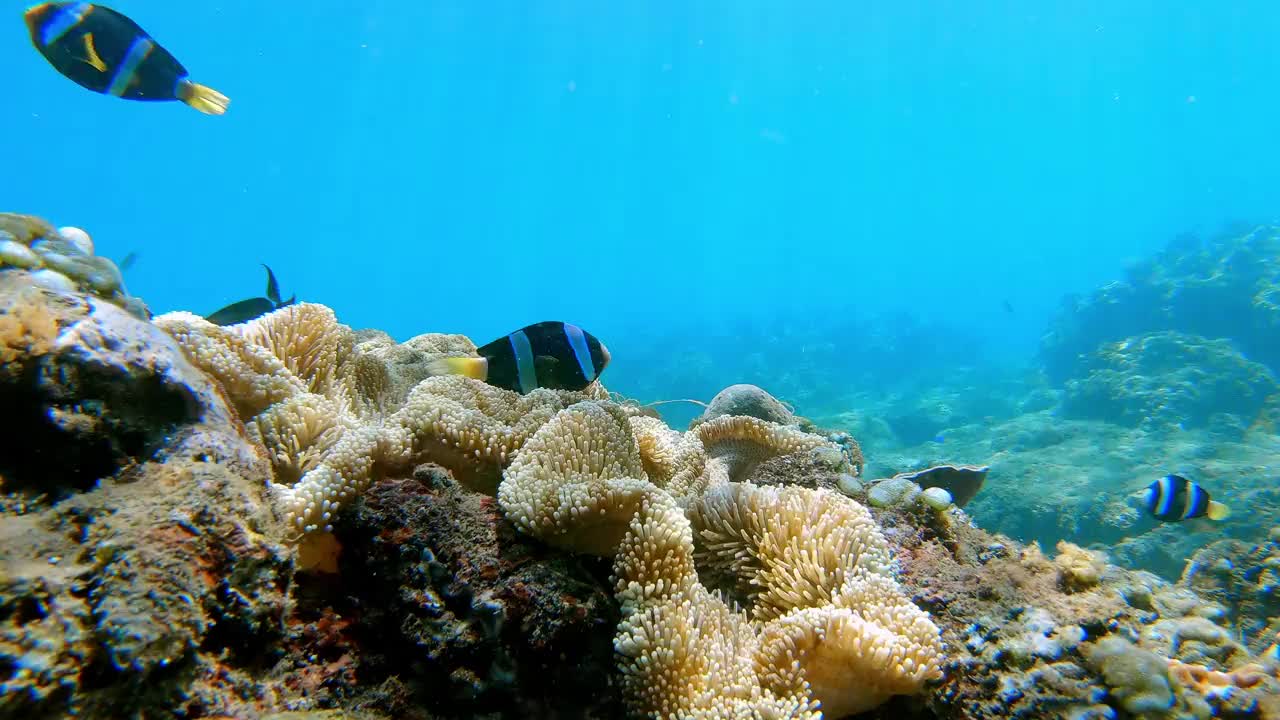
1138,678
750,401
87,389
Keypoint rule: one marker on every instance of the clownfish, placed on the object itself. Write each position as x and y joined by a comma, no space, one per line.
1174,498
108,53
551,354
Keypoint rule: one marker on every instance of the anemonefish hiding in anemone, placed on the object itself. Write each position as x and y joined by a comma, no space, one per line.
108,53
551,354
1173,498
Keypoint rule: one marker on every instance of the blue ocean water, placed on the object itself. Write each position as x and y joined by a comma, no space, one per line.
696,183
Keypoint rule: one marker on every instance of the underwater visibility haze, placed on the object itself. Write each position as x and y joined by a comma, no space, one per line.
930,344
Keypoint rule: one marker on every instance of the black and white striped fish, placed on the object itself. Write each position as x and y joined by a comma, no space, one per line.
551,354
108,53
1174,498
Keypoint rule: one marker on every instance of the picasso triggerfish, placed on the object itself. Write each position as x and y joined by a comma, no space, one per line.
553,355
1173,498
106,52
246,310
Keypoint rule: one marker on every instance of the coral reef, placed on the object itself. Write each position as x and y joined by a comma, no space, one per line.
1225,288
140,564
81,375
1169,379
1054,478
61,259
336,414
439,608
555,554
1245,580
1023,645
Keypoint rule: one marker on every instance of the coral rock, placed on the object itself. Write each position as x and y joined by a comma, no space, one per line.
750,401
88,389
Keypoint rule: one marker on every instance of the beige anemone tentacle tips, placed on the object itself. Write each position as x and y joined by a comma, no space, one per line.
252,377
736,444
673,461
781,549
470,428
298,433
829,626
683,652
307,338
854,655
577,483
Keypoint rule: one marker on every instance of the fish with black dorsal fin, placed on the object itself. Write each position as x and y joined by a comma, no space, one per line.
108,53
1174,498
246,310
551,354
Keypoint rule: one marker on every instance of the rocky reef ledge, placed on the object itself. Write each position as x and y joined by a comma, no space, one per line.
290,519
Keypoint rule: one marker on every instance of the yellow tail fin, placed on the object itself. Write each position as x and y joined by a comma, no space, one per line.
203,98
1218,511
475,368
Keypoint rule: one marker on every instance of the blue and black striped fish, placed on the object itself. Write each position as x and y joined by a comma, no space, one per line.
551,354
1173,498
108,53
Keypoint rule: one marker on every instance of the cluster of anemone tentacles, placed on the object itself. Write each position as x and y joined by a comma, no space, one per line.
737,601
825,630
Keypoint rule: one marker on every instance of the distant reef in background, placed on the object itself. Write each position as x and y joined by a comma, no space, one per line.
1172,369
1226,288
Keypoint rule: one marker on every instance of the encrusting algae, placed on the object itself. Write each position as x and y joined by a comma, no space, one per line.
441,534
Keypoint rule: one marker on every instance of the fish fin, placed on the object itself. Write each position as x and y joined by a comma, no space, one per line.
203,98
91,56
475,368
240,312
1218,511
273,287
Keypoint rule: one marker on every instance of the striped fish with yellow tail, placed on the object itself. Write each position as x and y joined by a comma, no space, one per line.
552,354
108,53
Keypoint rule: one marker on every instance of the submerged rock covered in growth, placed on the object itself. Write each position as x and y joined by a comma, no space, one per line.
325,527
1168,379
137,549
62,259
1227,288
